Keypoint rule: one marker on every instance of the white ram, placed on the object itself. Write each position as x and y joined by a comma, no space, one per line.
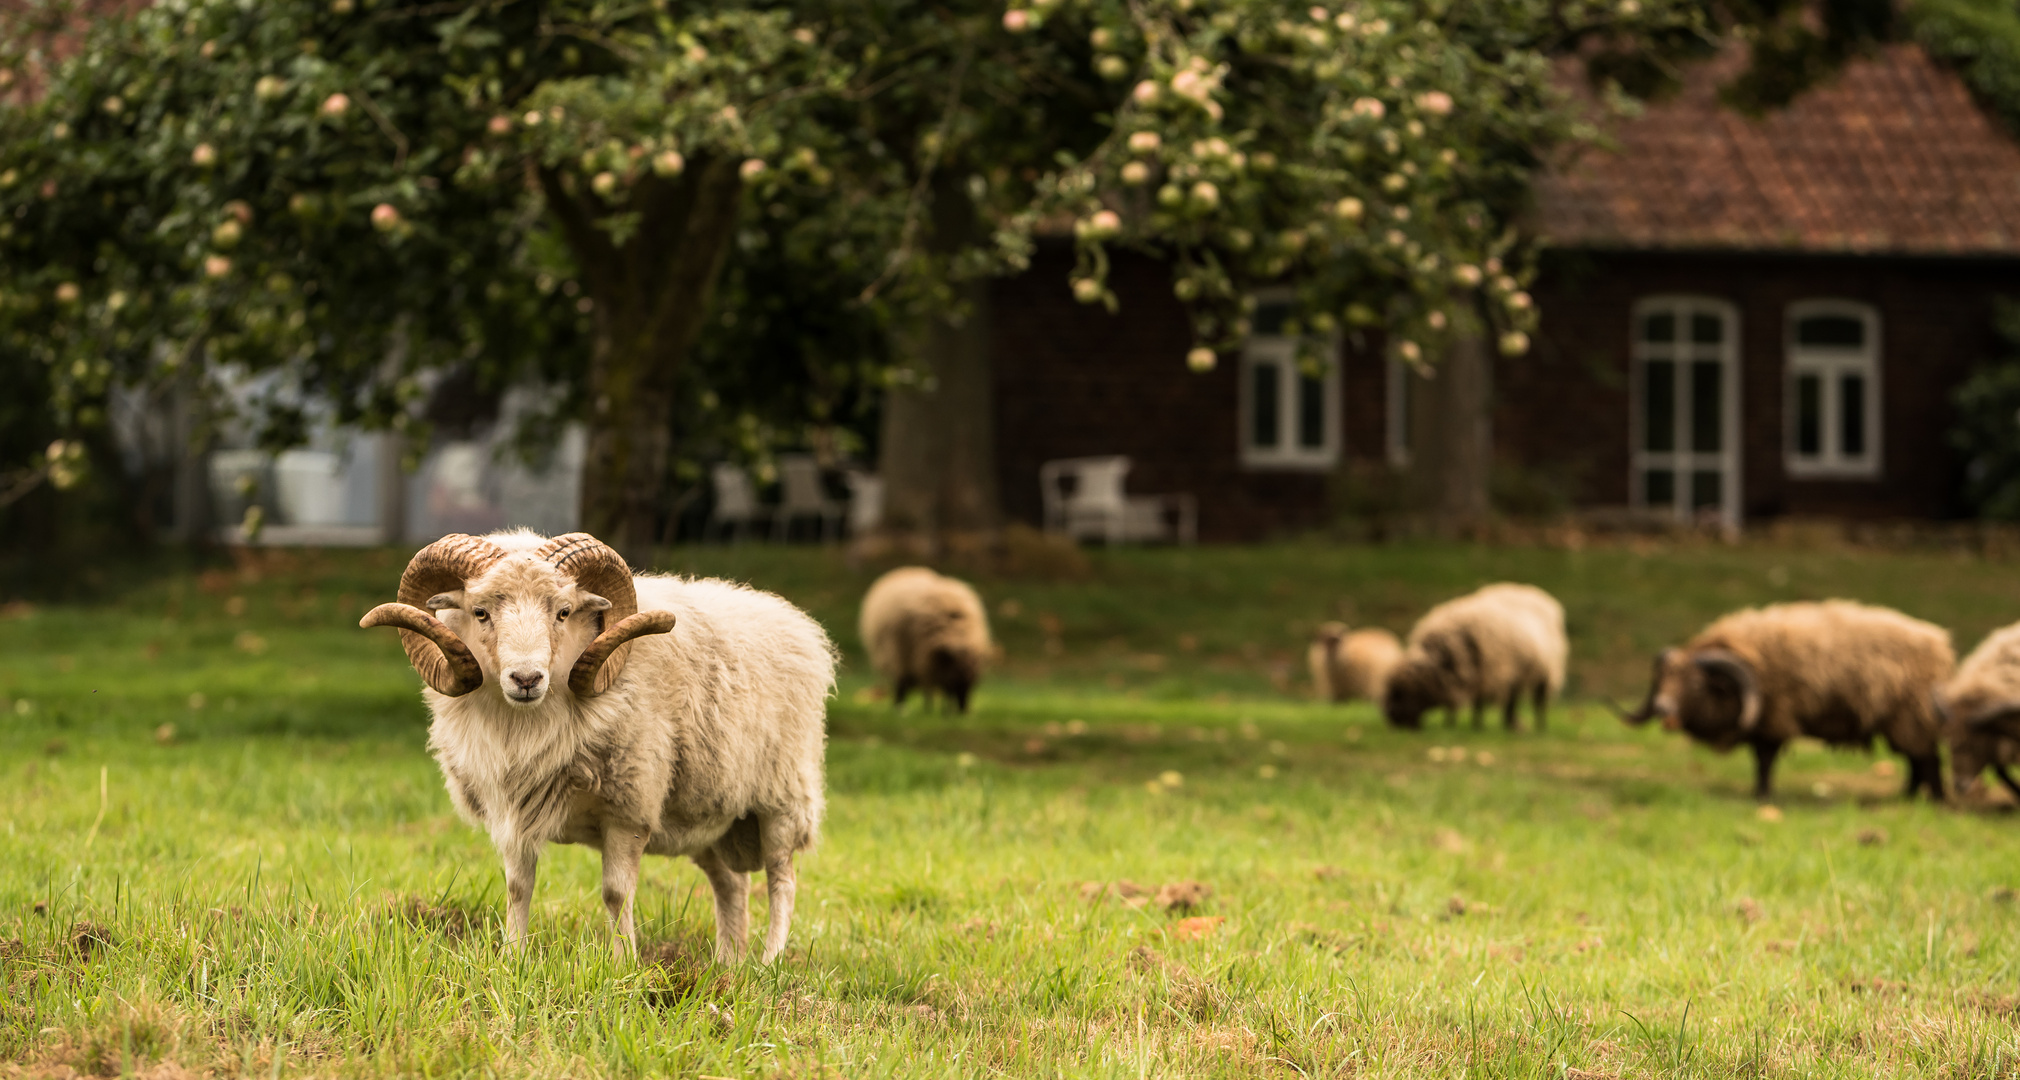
563,713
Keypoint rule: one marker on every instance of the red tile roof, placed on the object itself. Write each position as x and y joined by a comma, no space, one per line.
1890,156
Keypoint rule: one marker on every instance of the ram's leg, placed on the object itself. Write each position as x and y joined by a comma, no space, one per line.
1479,712
521,864
623,847
1926,771
780,886
732,906
1764,754
898,692
1508,707
1540,699
2006,778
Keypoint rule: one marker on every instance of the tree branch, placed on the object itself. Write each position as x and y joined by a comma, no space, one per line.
909,231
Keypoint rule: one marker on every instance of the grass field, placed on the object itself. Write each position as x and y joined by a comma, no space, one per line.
223,849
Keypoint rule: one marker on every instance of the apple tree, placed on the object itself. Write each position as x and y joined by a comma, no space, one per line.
356,191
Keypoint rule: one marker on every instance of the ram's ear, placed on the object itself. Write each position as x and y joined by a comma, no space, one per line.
444,601
589,601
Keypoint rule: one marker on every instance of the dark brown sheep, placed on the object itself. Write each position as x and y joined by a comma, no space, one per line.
1490,646
1981,712
1836,671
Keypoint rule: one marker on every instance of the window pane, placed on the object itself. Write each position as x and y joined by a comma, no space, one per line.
1658,401
1658,327
1707,329
1809,415
1838,331
1265,402
1311,413
1852,415
1706,487
1658,487
1268,320
1707,413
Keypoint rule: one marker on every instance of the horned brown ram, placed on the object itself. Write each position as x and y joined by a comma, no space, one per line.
1837,671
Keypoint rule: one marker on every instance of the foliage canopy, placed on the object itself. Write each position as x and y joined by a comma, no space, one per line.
356,191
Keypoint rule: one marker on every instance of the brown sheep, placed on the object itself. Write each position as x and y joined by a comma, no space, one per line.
1836,671
925,632
1980,706
1348,665
1490,645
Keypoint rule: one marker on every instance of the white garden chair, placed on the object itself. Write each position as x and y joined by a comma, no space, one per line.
736,502
866,501
1084,498
802,496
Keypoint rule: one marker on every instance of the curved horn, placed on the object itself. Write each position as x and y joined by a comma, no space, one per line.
446,565
1726,661
597,567
595,660
458,673
1647,711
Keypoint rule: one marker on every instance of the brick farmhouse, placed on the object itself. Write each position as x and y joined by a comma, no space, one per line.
1741,317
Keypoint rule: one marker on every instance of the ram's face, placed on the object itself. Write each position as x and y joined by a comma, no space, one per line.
526,623
1414,688
1687,696
1978,742
1971,753
1702,702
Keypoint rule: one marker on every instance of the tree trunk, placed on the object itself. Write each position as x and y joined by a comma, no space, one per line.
1452,435
650,298
939,452
939,434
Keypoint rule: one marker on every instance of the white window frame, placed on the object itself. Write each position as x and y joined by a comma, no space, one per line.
1830,363
1682,463
1282,351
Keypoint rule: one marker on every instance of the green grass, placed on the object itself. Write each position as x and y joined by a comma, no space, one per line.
283,890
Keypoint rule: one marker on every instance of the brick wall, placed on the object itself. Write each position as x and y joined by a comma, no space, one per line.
1565,407
1073,380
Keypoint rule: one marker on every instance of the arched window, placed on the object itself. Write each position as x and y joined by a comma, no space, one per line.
1685,424
1290,394
1833,389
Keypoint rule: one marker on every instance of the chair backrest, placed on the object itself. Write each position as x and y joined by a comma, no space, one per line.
734,496
1086,483
866,500
800,483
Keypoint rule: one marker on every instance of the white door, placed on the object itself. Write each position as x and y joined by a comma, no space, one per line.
1685,426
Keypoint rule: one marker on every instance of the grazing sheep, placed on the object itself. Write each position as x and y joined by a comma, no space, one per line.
1980,707
693,727
1489,645
1352,664
925,632
1836,671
